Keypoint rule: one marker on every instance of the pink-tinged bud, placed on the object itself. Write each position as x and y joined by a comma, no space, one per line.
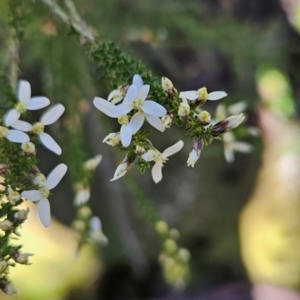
227,124
195,152
8,288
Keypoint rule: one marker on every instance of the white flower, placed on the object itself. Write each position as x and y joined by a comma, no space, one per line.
231,145
92,163
195,152
160,159
48,118
41,195
118,94
202,95
136,99
12,135
95,233
107,108
25,103
82,195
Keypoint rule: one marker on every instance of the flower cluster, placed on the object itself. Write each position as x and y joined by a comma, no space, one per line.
19,175
176,108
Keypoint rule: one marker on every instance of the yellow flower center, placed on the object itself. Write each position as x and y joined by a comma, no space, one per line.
159,158
202,94
45,192
136,103
4,132
123,120
38,128
21,107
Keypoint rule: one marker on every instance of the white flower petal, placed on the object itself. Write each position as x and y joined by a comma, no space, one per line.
32,195
126,135
50,143
56,176
52,114
23,91
11,117
242,147
229,154
122,109
137,81
157,172
143,92
131,94
173,149
155,122
17,136
149,155
190,95
152,108
22,126
104,106
237,108
95,223
44,212
216,95
37,103
137,122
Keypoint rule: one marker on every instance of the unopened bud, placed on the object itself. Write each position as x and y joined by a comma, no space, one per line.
170,246
183,110
6,225
227,124
174,233
13,196
112,139
28,147
116,96
184,254
92,163
82,195
84,212
79,225
195,152
3,169
161,227
204,117
168,86
21,258
8,288
22,214
167,120
3,265
139,150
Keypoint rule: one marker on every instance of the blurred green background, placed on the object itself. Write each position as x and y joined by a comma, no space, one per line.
240,221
